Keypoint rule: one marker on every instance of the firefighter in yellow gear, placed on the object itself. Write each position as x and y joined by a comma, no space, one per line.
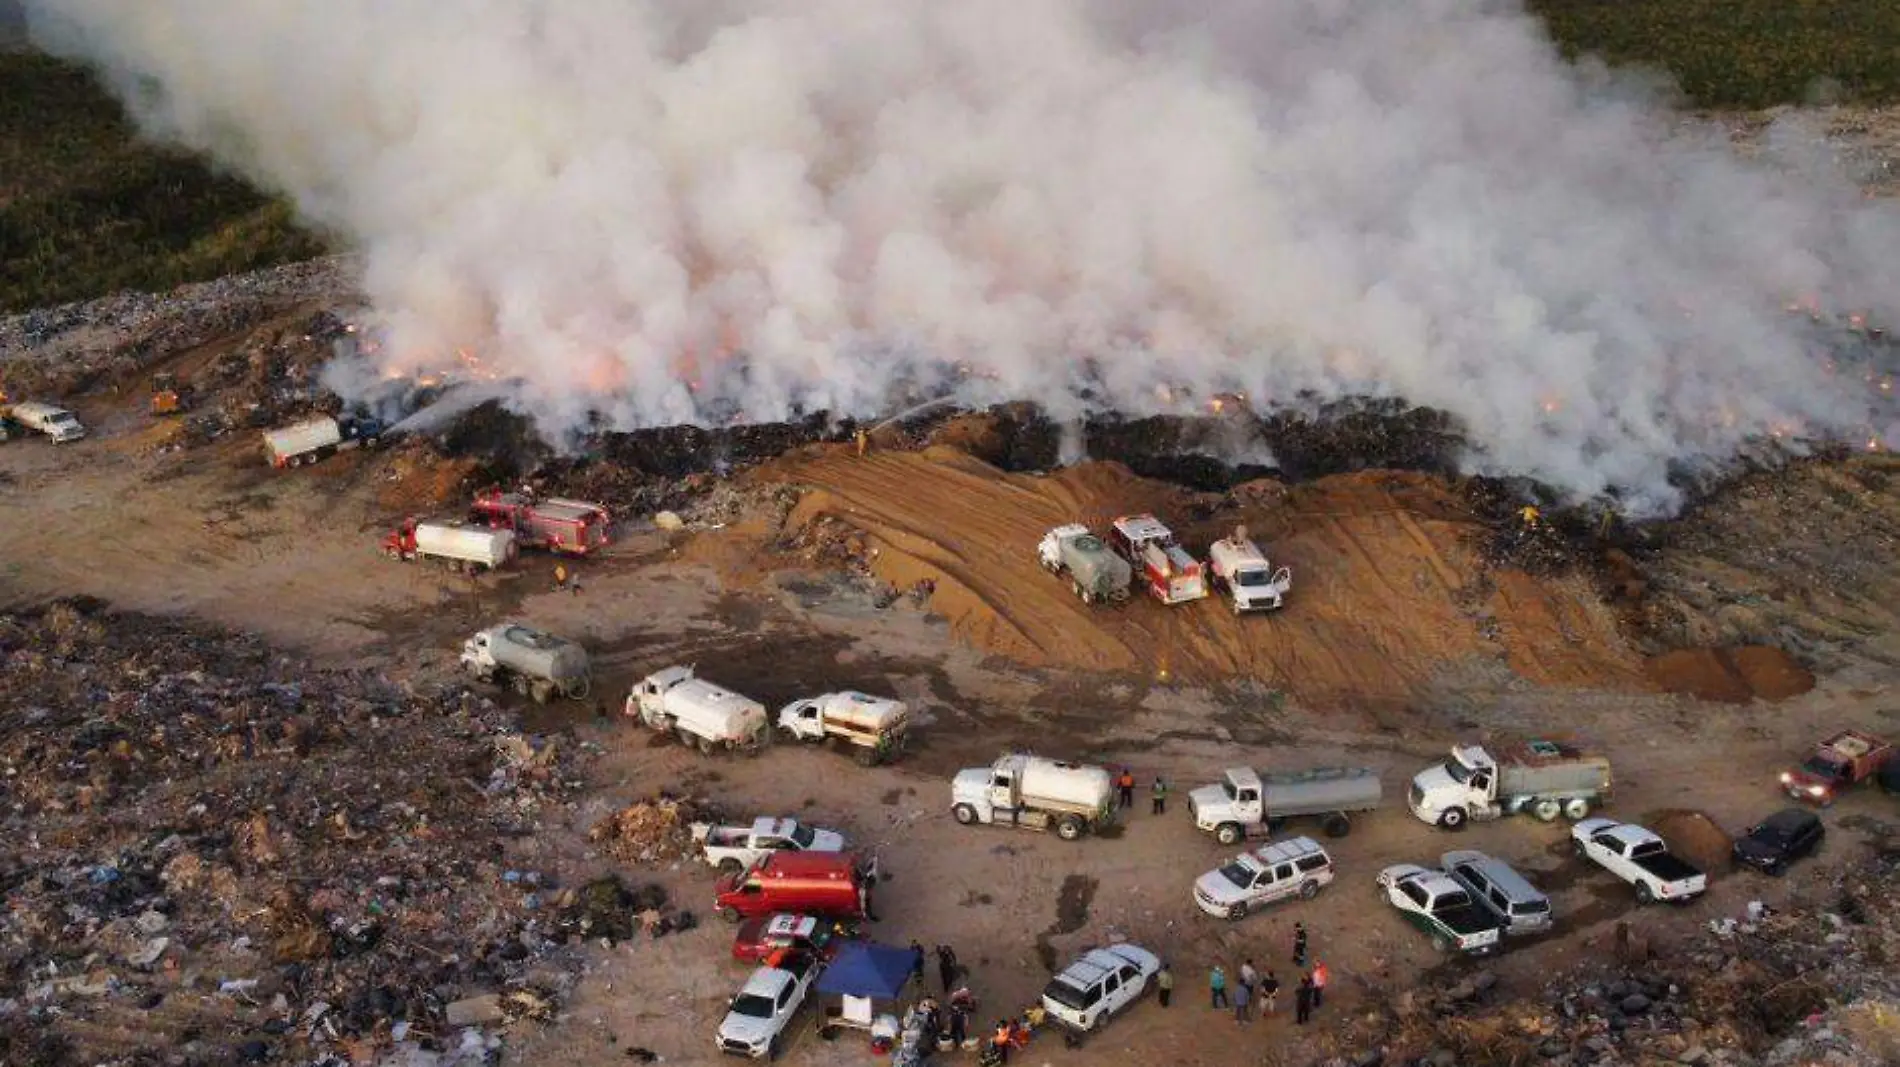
864,441
1530,516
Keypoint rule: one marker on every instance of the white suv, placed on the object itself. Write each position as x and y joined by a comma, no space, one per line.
1101,983
755,1023
1295,868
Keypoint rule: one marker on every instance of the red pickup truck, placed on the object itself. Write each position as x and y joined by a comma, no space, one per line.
1835,765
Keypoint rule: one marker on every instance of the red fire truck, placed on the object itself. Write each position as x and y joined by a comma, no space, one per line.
1163,565
574,527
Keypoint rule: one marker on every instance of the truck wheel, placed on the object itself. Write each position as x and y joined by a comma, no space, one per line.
1236,912
730,866
1643,894
964,814
1546,810
393,553
772,1048
705,746
1080,593
1309,890
1453,819
731,915
1441,943
521,684
686,739
541,691
580,689
867,756
1069,829
1337,825
1576,808
1228,833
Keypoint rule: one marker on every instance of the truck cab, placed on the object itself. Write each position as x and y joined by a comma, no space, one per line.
1233,802
1242,570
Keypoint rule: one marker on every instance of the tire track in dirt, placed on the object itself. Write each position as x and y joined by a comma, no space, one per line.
1379,565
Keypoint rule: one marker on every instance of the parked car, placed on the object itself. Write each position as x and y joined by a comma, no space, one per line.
758,1014
1641,858
1294,868
1772,844
1498,889
1100,984
1441,908
759,938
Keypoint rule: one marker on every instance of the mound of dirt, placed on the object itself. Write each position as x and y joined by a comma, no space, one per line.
1693,836
1387,589
1730,675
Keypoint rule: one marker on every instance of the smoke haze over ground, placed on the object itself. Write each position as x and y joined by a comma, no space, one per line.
674,211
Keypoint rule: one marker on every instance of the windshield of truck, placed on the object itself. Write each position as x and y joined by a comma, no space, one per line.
63,420
804,836
1252,579
1458,771
1530,907
1824,768
1066,995
753,1006
1238,873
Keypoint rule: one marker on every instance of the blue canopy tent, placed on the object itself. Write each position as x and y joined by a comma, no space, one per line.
861,973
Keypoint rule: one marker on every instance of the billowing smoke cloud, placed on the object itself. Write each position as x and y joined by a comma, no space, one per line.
674,210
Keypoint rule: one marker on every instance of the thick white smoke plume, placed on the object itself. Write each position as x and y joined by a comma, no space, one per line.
675,210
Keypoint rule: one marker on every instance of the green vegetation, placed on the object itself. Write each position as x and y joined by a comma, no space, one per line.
1742,53
85,209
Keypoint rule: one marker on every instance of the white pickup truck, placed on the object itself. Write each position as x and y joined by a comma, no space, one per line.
1640,858
735,848
757,1017
1439,906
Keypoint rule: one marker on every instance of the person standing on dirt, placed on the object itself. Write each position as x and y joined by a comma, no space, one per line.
1217,987
1303,1000
1000,1041
946,967
1320,977
1249,980
1159,791
1299,944
959,1024
1269,992
1243,1001
1127,784
864,441
560,577
1164,983
917,963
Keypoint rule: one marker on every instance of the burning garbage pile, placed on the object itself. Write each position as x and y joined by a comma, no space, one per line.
1811,984
209,839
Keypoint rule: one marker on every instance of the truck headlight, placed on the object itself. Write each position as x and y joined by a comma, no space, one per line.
1817,790
1786,778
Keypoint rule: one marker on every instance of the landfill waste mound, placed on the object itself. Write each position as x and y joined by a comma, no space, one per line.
651,831
215,853
1813,983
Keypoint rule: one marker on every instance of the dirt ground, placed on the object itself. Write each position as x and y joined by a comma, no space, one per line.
1396,642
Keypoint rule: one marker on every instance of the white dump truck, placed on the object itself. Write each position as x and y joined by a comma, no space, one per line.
1249,803
1241,570
535,663
1545,778
308,441
1095,573
461,546
700,713
1034,793
55,422
877,727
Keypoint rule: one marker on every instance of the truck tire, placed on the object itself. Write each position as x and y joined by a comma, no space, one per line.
1236,912
773,1048
541,692
706,746
686,738
580,689
964,814
1069,828
731,915
393,553
521,684
866,756
1546,809
1229,833
1576,808
1336,824
1309,889
730,866
1643,894
1452,819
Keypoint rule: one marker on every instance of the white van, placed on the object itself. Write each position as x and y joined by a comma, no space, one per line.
1499,890
55,422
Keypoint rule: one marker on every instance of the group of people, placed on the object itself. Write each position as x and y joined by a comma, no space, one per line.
1254,988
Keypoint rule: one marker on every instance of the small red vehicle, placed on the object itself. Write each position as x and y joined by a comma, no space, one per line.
829,884
761,938
1835,766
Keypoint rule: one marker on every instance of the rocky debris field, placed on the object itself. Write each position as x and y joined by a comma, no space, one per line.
216,854
1814,983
